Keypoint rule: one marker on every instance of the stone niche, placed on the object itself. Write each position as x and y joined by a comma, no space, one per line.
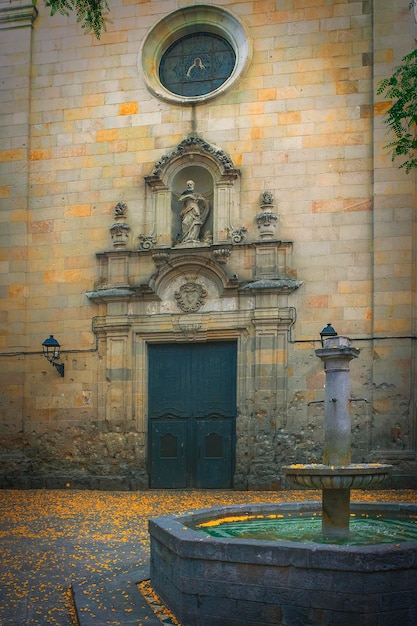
227,281
215,178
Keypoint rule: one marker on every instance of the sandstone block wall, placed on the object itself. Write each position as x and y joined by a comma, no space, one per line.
80,131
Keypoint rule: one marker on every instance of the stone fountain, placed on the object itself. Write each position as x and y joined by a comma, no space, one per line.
231,580
337,476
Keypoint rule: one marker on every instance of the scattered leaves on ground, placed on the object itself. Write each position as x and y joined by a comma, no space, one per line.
50,538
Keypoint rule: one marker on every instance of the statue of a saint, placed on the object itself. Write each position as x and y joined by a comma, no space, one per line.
193,214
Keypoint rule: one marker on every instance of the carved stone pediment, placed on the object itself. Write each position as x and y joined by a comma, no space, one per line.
223,270
193,271
191,147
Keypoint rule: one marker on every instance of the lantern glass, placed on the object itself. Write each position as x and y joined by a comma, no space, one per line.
51,348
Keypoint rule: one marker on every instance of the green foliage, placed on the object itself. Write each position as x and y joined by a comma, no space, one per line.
401,117
92,13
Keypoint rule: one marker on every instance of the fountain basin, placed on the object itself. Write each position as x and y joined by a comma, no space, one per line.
209,581
353,476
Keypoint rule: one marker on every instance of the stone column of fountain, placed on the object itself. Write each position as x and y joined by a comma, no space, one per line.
337,431
336,476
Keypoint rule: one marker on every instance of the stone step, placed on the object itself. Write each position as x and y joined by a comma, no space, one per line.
115,601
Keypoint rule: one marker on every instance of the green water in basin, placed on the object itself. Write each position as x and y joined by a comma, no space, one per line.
363,530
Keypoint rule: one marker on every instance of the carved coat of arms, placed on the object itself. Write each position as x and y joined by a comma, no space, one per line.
190,297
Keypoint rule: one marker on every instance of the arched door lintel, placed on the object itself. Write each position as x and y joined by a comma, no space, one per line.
192,265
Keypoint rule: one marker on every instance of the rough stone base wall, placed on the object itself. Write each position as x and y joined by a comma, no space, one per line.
77,458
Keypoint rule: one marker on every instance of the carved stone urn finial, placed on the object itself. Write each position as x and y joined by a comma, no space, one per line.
120,210
267,219
120,230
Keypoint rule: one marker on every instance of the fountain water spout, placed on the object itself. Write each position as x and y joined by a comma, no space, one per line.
337,476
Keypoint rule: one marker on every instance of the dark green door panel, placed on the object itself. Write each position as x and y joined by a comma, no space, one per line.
192,411
214,378
215,445
169,380
168,460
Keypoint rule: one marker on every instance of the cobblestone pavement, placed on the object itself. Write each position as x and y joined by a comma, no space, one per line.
74,557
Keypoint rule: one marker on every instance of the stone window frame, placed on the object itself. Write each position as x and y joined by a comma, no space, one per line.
188,20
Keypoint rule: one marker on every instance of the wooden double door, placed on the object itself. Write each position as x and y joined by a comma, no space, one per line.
192,415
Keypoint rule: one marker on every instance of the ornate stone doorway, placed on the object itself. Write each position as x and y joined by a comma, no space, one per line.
200,279
192,415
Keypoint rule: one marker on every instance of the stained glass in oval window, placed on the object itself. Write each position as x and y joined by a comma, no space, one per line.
197,64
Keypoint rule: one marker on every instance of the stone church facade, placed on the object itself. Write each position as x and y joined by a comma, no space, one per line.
185,204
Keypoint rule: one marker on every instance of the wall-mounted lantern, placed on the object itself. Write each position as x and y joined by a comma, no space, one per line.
51,349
